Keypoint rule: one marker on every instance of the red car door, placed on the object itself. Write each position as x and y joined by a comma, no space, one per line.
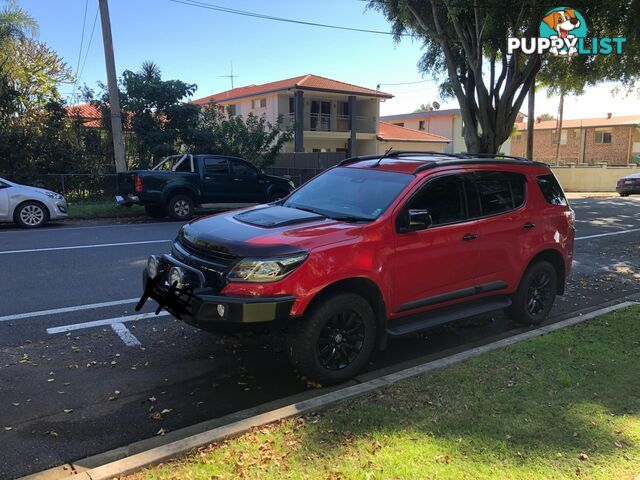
437,264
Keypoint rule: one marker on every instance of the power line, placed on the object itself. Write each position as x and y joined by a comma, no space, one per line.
93,29
218,8
84,22
402,83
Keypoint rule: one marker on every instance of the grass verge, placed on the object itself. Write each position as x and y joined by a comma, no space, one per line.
103,209
561,406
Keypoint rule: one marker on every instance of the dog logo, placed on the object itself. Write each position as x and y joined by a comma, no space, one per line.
566,24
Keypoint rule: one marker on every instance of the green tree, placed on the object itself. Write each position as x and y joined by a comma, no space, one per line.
153,109
254,139
547,116
424,107
16,23
468,40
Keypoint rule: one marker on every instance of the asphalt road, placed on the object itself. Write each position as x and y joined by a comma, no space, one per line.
87,379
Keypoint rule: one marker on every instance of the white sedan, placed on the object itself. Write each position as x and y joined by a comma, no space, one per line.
29,207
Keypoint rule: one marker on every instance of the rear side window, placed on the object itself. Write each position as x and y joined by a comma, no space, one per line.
219,166
243,170
499,192
551,190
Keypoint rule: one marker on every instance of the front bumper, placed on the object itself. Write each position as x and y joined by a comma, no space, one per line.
127,200
59,211
207,308
628,189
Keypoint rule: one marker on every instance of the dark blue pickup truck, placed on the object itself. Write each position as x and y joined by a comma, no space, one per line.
180,183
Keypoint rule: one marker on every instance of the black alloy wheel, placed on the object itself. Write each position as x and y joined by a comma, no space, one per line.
341,340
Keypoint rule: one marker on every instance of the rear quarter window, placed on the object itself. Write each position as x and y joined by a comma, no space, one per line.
499,192
551,190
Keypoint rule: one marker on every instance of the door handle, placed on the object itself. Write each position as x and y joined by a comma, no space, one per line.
470,236
528,226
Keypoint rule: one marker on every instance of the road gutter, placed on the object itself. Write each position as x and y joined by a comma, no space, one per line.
172,449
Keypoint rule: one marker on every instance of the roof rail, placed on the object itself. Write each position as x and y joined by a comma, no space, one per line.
494,155
399,154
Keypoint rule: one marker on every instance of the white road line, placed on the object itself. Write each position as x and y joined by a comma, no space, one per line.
63,228
76,308
125,335
620,232
78,247
100,323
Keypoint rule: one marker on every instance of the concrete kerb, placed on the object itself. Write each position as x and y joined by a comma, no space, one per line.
173,449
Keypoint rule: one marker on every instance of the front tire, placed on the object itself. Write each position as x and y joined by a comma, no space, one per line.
31,215
180,207
535,296
335,339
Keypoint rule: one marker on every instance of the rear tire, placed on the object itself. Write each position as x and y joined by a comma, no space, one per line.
180,207
31,214
155,211
335,339
624,194
535,296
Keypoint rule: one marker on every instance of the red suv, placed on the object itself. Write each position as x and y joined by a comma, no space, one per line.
376,247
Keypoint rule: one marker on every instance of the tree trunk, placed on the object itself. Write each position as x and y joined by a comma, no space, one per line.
559,126
530,119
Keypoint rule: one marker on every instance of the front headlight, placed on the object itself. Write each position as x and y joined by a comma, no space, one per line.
265,270
54,195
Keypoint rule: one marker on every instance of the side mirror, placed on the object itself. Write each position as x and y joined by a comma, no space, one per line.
413,220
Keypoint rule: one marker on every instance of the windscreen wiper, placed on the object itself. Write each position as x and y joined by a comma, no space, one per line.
306,209
350,218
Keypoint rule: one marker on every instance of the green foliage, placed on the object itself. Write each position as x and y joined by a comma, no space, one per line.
468,40
253,139
424,107
16,23
547,116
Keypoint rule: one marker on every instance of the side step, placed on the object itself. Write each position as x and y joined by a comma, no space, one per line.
433,318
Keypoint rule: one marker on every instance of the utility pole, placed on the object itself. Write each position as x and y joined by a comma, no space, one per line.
531,119
114,99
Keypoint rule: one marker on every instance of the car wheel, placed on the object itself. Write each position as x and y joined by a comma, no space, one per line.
277,195
535,296
335,339
31,215
155,211
624,194
180,207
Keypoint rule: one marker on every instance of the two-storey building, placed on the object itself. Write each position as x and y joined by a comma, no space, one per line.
327,115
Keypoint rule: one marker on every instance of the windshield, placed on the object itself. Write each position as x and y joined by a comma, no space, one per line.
344,193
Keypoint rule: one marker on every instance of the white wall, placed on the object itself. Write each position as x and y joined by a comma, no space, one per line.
413,146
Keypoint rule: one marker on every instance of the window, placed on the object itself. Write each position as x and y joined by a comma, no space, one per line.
577,133
603,135
517,136
399,124
217,166
421,125
551,190
499,192
563,137
443,198
184,165
292,107
258,103
243,169
232,109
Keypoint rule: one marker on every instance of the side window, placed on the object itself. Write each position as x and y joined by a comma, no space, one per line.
242,169
499,192
551,190
216,166
443,198
184,165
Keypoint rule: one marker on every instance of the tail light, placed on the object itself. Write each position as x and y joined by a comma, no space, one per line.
571,217
138,184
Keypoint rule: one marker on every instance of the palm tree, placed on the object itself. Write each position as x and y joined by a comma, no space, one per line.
16,23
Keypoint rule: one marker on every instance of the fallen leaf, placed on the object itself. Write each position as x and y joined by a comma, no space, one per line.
8,428
50,379
15,404
618,444
155,416
166,410
68,410
161,432
152,399
583,456
51,433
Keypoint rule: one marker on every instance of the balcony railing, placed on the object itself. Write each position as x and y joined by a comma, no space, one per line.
321,122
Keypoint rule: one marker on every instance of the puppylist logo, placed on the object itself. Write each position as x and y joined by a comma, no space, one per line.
563,33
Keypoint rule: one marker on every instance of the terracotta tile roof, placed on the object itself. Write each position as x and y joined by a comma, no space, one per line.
303,82
88,113
585,122
388,132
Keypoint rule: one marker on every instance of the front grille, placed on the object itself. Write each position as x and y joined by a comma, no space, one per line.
213,264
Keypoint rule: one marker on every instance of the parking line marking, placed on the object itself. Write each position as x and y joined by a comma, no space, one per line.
620,232
100,323
78,247
125,335
76,308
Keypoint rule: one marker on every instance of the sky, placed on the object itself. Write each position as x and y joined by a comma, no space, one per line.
198,45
